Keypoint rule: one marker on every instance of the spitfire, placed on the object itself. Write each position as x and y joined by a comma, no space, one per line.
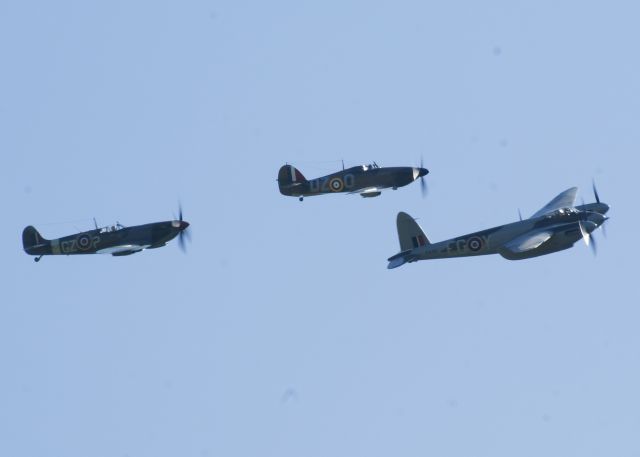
555,227
116,240
366,180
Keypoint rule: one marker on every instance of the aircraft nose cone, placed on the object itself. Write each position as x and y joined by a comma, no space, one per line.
597,218
180,225
419,173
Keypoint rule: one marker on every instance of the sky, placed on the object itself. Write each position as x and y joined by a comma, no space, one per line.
281,332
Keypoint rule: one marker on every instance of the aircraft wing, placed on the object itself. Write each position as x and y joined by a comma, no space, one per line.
528,241
565,199
368,191
123,249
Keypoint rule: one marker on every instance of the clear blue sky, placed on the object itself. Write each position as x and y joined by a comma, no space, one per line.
282,333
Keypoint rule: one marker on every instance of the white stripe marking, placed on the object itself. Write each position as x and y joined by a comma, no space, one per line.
55,246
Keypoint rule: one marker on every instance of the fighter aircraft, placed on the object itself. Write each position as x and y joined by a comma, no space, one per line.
116,240
366,180
555,227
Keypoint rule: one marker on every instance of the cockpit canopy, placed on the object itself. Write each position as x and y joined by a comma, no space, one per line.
371,166
562,212
112,228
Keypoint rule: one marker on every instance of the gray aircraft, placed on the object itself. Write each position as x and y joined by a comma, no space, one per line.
556,227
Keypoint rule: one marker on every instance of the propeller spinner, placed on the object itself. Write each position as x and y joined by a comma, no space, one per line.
184,233
422,172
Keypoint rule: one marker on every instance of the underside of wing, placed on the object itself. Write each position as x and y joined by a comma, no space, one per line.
124,249
528,242
368,191
565,199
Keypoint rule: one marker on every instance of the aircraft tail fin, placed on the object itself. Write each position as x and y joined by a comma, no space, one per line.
410,234
289,174
32,241
289,177
411,237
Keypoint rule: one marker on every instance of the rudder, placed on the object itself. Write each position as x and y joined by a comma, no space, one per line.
288,178
31,238
289,174
410,234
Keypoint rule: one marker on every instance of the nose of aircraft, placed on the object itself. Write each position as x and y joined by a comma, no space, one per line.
597,218
419,173
180,225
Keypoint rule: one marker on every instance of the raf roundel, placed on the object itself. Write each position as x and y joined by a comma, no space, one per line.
84,242
475,243
336,185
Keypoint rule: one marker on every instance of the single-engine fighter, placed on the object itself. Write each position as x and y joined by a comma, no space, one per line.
554,228
116,240
366,180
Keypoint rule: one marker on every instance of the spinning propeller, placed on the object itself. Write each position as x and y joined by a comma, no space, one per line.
587,237
595,193
184,231
423,183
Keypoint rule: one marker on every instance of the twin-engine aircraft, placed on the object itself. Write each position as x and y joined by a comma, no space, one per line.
554,228
366,180
116,240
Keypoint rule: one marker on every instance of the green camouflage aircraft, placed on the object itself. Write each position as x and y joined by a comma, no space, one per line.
366,180
116,240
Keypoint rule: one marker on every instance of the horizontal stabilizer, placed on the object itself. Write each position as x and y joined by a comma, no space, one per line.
395,263
400,259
